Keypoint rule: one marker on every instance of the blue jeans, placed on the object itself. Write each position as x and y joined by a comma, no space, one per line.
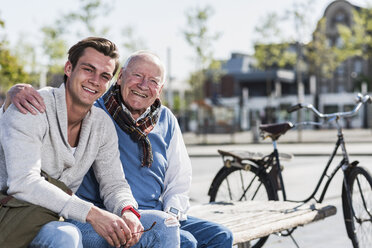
202,234
58,234
160,236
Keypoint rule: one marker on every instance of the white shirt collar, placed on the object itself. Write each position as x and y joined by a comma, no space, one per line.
139,118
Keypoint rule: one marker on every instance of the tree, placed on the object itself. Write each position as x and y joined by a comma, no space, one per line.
131,42
27,57
87,14
270,48
357,42
83,20
199,37
11,71
322,58
54,47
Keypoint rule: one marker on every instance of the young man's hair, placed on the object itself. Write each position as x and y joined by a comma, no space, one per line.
102,45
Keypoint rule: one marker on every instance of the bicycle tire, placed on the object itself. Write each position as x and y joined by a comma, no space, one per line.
254,175
360,184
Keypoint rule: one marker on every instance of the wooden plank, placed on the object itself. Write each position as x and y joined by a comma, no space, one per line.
250,220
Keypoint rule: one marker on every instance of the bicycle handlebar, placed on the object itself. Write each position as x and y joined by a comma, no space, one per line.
294,108
360,100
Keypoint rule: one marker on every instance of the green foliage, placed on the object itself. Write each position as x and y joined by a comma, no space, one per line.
269,56
271,51
177,104
54,43
199,37
132,43
55,48
197,34
214,70
300,15
321,57
196,81
87,14
268,30
11,72
357,41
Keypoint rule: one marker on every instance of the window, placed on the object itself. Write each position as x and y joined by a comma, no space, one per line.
339,42
340,17
328,109
340,71
358,66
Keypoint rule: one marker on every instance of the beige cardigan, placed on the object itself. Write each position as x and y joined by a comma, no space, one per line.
30,143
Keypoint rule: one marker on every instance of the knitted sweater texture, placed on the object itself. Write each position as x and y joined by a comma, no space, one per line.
30,143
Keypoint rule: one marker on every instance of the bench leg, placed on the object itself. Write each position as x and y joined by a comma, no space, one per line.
244,245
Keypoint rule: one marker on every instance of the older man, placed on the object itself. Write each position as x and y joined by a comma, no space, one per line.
64,142
153,153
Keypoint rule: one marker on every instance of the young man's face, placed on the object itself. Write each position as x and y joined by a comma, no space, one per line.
89,79
141,83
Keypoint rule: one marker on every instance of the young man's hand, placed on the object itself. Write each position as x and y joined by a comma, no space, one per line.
24,96
111,227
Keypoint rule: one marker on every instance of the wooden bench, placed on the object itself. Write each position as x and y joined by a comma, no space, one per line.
250,220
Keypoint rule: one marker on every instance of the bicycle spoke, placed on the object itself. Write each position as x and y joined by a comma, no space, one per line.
363,199
248,187
242,180
229,189
255,193
357,211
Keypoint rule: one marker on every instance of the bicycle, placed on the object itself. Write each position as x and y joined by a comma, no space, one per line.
254,176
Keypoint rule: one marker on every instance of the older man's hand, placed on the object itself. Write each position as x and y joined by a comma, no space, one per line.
115,230
135,227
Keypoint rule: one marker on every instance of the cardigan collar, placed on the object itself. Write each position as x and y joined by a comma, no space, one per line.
61,110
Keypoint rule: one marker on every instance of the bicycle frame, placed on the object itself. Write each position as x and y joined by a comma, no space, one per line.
344,165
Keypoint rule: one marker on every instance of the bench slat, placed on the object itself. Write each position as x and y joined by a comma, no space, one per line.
250,220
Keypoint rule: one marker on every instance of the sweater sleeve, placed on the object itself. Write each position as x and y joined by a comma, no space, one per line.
177,180
114,188
21,139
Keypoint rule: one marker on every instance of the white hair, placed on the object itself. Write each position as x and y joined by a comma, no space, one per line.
146,53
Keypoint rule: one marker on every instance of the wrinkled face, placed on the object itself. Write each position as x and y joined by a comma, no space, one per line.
141,83
89,79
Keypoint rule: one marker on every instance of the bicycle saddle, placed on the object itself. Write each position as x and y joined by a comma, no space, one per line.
275,130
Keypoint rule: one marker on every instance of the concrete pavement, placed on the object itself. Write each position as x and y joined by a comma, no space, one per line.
203,152
304,143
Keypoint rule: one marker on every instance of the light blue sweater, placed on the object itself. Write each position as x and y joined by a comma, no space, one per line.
149,184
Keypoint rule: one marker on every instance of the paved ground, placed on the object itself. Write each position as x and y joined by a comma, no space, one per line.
312,147
292,136
307,142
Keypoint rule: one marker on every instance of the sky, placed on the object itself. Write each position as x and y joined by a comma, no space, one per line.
159,24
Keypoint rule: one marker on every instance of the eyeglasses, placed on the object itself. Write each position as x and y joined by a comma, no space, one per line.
145,230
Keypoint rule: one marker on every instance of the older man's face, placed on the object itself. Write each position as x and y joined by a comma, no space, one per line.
141,83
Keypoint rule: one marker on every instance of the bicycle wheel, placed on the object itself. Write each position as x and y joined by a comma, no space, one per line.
359,224
236,184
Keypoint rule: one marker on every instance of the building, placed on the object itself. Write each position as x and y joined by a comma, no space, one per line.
255,96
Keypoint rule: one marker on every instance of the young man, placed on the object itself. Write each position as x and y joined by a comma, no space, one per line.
64,142
152,152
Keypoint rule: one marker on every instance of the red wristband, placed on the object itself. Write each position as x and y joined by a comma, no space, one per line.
132,209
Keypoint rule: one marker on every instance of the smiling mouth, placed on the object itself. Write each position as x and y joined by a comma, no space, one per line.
89,90
139,94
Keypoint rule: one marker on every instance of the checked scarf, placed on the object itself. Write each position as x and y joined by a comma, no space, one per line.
137,131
